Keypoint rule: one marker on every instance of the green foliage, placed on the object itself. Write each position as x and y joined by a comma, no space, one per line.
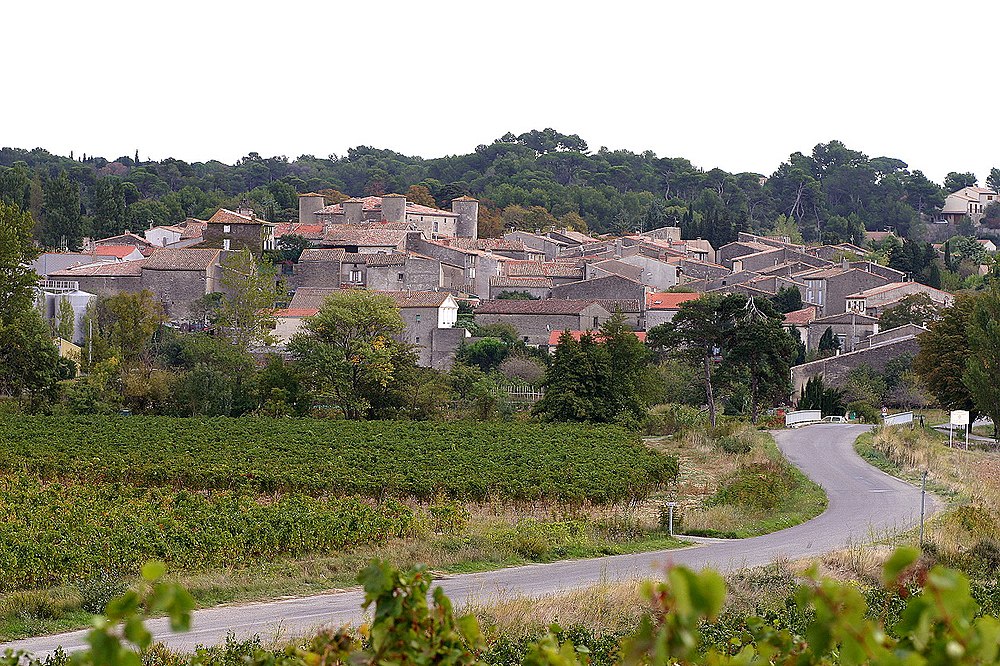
61,224
756,486
944,352
486,354
469,460
828,341
596,378
815,395
516,296
913,309
250,290
347,353
16,254
983,363
788,299
28,358
921,616
61,532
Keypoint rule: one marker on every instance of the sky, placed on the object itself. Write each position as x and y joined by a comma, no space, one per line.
736,85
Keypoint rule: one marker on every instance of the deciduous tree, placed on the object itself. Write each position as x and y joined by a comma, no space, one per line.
944,353
982,369
348,354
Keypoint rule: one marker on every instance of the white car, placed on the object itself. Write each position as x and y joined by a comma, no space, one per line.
834,419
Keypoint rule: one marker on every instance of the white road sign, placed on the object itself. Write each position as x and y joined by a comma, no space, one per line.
960,417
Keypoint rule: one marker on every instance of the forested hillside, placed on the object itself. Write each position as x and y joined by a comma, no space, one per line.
529,181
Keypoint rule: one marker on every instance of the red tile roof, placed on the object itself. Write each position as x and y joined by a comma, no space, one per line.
549,306
120,251
183,259
801,317
668,300
555,335
522,282
226,216
310,231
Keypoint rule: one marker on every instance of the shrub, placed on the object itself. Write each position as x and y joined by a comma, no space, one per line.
671,419
755,486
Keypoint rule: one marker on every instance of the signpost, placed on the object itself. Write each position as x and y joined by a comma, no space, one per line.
671,506
959,417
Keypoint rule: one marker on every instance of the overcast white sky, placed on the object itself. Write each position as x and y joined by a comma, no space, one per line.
738,85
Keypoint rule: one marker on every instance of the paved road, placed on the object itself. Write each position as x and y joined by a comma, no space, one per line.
865,504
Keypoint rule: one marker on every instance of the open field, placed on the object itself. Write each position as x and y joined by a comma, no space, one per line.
251,509
510,461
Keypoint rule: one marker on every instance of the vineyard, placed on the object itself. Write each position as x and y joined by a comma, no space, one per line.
475,461
96,495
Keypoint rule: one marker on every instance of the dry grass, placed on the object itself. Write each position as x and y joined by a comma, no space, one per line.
605,608
705,465
969,479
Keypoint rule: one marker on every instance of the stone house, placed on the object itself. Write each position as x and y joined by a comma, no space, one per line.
428,318
799,320
536,287
850,329
107,278
237,230
874,302
662,306
462,270
828,288
835,369
535,320
549,248
461,221
609,287
179,277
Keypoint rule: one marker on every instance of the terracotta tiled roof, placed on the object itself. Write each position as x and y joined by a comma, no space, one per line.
385,259
349,235
182,259
226,216
310,297
374,204
549,306
668,300
194,228
524,282
417,299
555,335
102,269
524,268
310,231
120,251
322,254
562,269
127,238
488,244
801,317
619,304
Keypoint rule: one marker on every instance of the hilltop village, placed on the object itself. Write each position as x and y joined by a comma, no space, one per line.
434,266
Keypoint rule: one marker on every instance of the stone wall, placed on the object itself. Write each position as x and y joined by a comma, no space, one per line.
835,369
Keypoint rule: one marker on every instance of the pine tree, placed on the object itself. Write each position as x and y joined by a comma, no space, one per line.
61,219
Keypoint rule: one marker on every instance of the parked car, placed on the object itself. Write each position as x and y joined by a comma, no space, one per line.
834,419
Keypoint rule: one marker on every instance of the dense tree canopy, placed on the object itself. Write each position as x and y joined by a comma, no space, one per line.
537,179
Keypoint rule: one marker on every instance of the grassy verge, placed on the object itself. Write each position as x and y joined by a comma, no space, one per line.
966,534
734,483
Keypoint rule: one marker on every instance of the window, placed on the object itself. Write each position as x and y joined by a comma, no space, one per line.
418,339
399,276
225,243
225,228
418,318
596,323
472,273
355,276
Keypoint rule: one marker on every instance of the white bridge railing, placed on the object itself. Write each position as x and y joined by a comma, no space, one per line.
803,416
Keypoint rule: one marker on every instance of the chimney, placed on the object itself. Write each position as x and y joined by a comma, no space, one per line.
308,205
394,208
352,211
845,264
467,210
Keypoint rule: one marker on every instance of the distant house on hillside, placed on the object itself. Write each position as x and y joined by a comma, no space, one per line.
968,201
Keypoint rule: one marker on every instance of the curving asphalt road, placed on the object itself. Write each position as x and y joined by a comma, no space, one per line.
865,504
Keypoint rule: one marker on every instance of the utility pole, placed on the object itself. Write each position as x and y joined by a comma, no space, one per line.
923,494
